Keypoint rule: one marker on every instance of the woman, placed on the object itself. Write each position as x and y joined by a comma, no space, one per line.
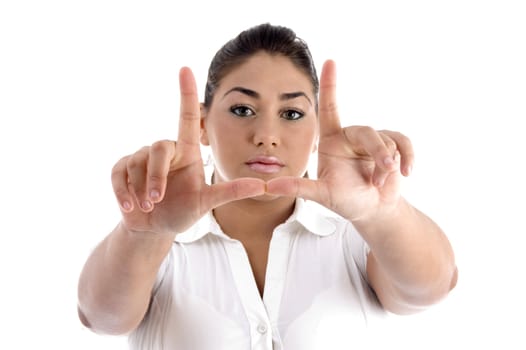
249,261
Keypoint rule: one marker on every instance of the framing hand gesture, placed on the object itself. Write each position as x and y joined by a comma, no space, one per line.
359,168
162,188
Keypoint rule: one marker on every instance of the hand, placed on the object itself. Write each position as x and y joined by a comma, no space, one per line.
359,168
162,188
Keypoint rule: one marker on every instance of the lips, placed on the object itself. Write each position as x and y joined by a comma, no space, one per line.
265,164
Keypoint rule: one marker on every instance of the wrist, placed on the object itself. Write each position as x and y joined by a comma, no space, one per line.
146,241
384,218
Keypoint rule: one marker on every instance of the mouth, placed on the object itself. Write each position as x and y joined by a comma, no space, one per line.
265,164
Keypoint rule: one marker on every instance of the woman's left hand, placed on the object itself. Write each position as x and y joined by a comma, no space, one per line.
359,168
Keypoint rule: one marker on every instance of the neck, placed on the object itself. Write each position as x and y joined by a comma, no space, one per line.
253,219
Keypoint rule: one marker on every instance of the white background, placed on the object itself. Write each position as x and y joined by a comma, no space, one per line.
85,83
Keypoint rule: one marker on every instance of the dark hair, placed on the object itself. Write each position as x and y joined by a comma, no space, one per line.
275,40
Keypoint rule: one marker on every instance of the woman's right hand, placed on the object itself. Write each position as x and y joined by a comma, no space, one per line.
161,188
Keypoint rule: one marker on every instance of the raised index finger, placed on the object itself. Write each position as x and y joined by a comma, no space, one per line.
189,120
329,120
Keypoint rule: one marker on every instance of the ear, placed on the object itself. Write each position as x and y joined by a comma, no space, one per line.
204,134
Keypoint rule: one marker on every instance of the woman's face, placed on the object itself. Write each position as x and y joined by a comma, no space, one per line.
262,121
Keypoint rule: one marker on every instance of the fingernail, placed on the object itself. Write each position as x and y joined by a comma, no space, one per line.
154,194
126,205
388,161
146,205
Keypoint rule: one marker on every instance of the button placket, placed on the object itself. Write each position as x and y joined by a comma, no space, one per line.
262,328
246,285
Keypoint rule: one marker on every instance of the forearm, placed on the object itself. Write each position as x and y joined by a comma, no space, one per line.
413,259
116,282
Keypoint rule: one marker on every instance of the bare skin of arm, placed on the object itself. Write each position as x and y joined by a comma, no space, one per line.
116,283
161,191
411,263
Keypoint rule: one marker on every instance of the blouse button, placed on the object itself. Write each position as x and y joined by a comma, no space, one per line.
262,328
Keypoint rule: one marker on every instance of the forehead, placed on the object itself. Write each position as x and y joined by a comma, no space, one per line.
262,71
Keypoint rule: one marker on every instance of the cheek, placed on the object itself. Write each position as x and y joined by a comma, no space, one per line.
304,145
308,139
217,129
225,138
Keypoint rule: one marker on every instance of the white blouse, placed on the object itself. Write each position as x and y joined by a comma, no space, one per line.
316,294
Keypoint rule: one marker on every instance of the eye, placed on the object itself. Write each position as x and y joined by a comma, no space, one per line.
292,114
242,111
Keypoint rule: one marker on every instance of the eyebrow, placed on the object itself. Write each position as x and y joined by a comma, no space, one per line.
283,97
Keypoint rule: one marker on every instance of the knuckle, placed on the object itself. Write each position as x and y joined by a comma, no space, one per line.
362,130
134,163
354,130
390,144
138,158
155,179
405,140
142,150
161,146
381,149
234,188
121,193
118,168
329,107
298,186
116,174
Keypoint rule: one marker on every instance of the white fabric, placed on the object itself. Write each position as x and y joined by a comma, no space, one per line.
316,293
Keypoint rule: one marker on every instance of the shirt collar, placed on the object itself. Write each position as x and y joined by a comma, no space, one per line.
306,213
206,225
310,216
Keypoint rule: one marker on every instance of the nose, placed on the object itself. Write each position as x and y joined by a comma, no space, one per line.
266,131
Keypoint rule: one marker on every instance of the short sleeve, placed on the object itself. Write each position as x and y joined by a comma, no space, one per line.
166,265
358,248
148,335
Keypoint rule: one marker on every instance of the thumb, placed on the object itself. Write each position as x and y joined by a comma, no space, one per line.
292,186
224,192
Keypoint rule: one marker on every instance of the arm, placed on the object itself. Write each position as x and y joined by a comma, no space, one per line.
411,263
116,282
